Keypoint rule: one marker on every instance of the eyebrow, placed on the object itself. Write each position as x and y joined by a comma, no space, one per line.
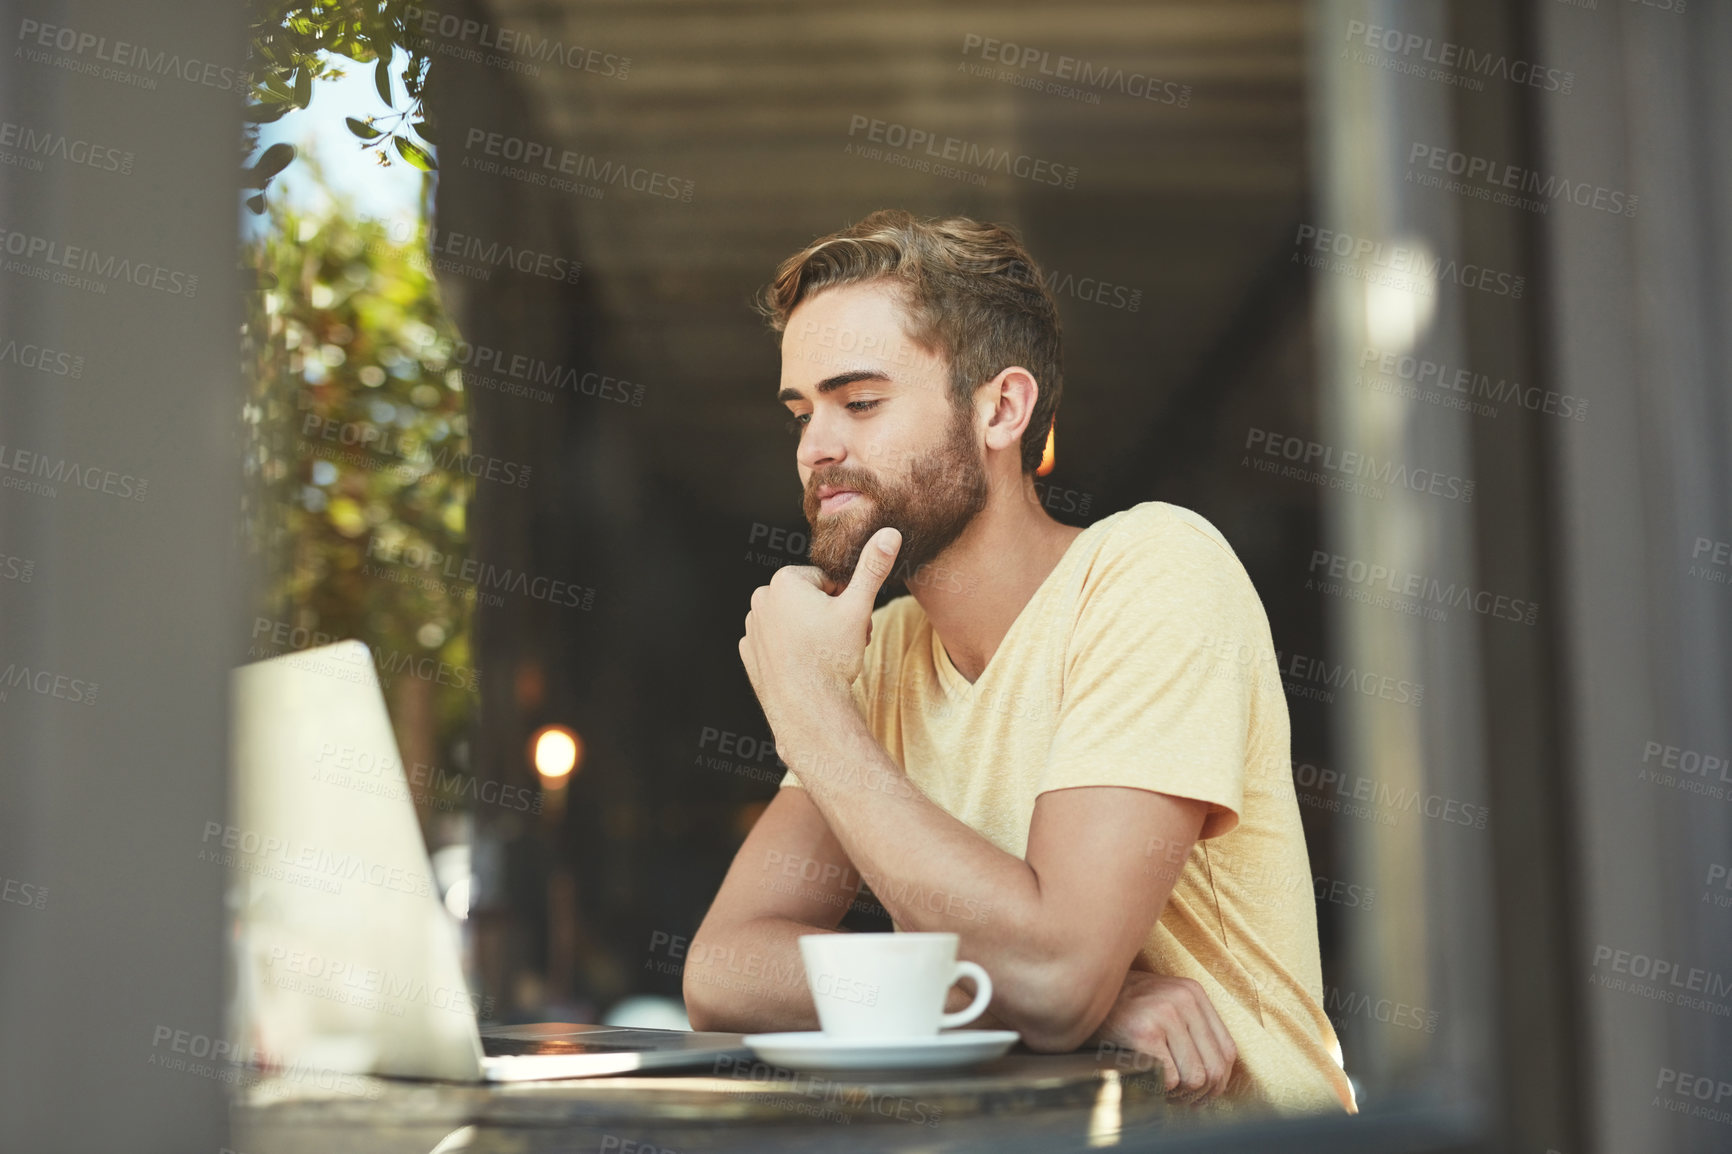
831,384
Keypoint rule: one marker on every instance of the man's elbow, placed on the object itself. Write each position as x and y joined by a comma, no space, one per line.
707,1008
1064,1012
705,1001
701,1015
1060,1035
698,1014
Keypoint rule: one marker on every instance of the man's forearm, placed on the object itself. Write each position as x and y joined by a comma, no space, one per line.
750,978
930,871
1051,957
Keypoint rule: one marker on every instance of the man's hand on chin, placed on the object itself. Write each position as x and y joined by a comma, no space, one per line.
802,640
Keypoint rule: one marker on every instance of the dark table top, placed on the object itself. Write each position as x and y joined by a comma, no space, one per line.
1020,1102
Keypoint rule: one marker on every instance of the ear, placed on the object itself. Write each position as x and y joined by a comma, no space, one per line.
1007,401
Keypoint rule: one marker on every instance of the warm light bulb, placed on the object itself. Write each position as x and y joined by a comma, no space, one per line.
556,753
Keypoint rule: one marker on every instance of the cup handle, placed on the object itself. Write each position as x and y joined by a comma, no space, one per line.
982,995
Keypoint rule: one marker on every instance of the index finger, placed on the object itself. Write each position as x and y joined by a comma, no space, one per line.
810,573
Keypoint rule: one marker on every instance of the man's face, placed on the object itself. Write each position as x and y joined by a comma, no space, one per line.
880,441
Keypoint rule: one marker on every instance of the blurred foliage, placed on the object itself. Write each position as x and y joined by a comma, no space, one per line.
355,439
354,425
295,43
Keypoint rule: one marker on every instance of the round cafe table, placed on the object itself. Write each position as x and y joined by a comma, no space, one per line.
1020,1102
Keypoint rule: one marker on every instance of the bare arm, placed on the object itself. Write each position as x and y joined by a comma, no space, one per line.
743,970
1058,929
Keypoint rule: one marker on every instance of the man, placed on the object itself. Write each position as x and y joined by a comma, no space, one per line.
1067,746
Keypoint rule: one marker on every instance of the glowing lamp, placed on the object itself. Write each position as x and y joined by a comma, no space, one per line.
555,750
1047,457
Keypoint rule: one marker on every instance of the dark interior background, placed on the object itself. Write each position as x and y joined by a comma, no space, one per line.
1184,206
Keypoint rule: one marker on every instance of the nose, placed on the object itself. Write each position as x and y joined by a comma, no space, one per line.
821,441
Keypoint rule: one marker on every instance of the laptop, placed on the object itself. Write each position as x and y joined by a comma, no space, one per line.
346,959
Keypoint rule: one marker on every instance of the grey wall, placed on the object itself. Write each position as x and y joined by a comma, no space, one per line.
1580,956
1639,320
120,606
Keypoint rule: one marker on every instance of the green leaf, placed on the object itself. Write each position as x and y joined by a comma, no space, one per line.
415,154
426,131
303,85
266,113
382,81
362,129
415,76
275,159
256,202
383,46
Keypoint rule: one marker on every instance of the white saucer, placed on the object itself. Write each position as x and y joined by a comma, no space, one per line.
812,1050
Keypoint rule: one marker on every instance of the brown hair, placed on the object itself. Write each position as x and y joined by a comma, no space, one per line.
971,290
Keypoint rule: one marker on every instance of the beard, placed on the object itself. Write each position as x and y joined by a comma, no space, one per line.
944,490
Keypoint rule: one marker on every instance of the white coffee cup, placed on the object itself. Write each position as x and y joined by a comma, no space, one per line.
888,985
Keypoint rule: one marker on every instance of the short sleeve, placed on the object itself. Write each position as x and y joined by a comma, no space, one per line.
1170,645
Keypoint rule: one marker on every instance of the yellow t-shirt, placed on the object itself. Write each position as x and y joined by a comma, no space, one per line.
1144,660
